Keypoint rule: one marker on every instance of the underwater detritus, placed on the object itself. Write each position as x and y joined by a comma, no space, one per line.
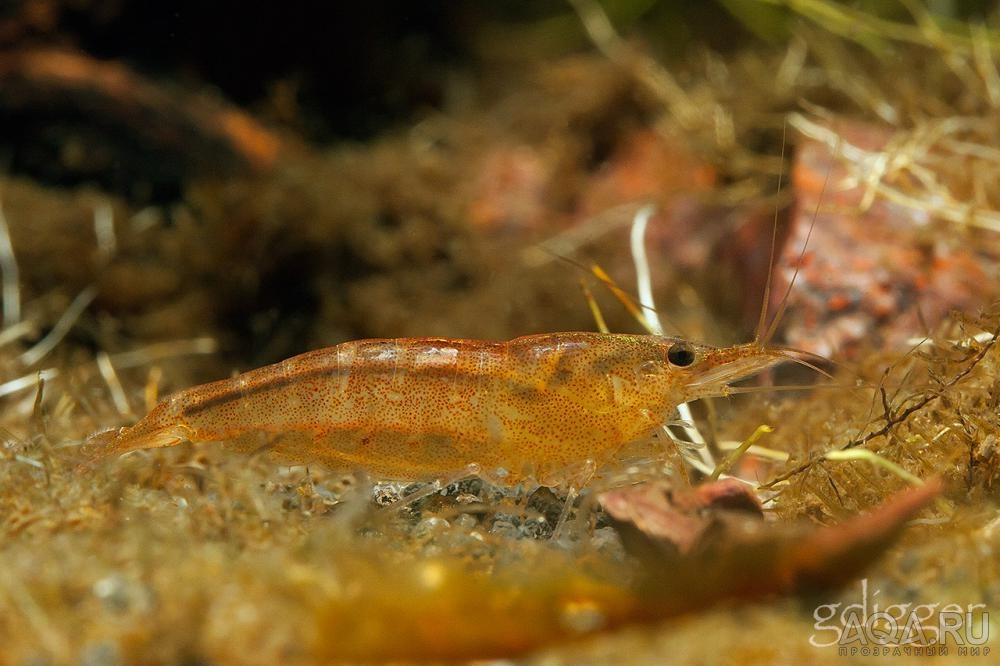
957,372
709,543
110,119
444,609
190,554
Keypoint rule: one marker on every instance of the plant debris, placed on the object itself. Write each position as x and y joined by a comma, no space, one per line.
168,226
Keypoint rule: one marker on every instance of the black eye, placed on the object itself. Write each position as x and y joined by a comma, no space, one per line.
681,355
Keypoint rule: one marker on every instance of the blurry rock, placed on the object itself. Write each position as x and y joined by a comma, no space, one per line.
874,271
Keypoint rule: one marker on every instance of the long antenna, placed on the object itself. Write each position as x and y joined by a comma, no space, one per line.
762,320
798,264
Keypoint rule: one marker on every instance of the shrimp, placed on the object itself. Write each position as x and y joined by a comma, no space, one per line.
424,408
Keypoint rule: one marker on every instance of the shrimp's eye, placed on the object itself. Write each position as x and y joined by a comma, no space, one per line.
681,355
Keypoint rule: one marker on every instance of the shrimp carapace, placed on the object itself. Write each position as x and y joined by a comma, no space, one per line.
424,408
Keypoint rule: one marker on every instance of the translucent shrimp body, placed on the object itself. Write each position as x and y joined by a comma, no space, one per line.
424,408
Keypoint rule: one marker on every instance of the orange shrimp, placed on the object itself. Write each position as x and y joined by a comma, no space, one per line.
426,408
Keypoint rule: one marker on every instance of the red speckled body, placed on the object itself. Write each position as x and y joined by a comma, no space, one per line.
423,408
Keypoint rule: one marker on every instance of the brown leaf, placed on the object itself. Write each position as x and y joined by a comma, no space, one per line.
703,546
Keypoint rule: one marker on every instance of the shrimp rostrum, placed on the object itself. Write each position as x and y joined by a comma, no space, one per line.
426,408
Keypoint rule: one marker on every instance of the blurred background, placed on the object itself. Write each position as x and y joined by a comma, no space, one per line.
191,189
280,176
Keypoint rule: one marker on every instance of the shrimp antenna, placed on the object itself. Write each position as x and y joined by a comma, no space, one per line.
787,354
766,299
740,390
798,264
817,358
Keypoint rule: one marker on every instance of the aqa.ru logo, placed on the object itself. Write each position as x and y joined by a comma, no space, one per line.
866,627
